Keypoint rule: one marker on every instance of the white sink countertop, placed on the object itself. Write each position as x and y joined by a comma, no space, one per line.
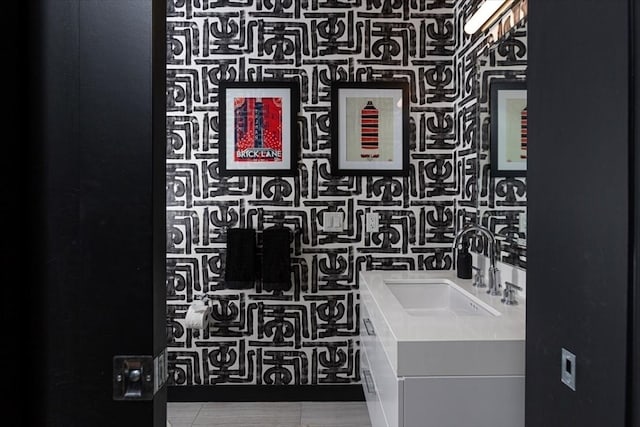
445,345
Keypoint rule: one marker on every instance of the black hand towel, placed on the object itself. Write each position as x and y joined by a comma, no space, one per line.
240,264
276,259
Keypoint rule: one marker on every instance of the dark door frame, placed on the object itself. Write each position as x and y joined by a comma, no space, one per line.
633,352
95,237
586,235
39,208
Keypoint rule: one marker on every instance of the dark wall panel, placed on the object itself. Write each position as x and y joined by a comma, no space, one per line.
634,159
33,163
159,126
97,251
578,184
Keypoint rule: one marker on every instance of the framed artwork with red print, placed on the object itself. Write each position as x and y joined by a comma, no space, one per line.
508,134
370,128
258,128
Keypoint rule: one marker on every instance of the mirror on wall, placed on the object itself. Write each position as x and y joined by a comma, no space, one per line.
501,202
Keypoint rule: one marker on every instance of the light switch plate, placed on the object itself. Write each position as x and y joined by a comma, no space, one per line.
332,222
372,220
568,369
522,221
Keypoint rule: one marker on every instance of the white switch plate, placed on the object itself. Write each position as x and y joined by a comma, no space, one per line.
522,220
372,220
522,226
332,222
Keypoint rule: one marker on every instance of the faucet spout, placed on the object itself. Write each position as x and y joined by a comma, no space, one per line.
494,280
478,228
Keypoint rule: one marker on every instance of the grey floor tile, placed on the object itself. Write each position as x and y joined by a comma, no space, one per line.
182,412
249,414
334,414
184,406
241,423
268,414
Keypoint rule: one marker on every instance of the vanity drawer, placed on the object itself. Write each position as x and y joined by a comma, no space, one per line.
367,332
374,406
478,401
388,386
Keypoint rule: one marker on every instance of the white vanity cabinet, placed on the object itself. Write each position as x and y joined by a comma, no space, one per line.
414,378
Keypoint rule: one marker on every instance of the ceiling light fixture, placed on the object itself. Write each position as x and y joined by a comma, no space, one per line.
482,15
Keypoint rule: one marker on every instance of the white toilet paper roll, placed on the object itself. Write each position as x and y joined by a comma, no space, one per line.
195,319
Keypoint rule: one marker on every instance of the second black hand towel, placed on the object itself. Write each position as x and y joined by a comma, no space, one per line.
276,259
240,265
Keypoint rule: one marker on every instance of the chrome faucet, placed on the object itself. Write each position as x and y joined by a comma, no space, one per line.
510,293
494,274
478,278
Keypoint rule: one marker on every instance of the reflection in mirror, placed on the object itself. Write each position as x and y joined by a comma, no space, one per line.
501,198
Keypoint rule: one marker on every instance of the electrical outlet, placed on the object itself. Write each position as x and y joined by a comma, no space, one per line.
372,220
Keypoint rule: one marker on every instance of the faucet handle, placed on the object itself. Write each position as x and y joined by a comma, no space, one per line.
512,285
510,293
478,278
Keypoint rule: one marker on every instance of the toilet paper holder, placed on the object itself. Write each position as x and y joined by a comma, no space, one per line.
206,299
203,309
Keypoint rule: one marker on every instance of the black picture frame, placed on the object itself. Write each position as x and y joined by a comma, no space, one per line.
508,128
262,149
383,129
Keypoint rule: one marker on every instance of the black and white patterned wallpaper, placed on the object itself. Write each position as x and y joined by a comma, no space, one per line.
500,201
308,335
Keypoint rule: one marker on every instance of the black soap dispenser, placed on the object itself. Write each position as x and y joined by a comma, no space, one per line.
463,262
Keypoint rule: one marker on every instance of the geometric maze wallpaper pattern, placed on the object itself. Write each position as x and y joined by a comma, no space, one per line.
497,202
502,200
308,335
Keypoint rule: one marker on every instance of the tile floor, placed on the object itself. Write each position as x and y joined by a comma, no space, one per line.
268,414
